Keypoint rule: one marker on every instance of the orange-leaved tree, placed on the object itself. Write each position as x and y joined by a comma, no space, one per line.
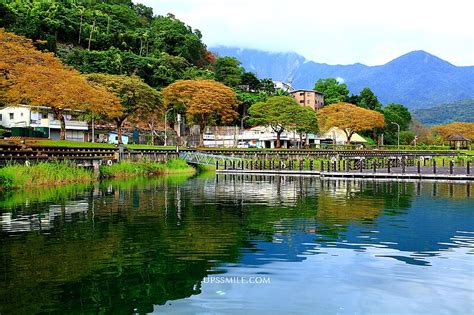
350,118
205,102
462,128
138,100
38,78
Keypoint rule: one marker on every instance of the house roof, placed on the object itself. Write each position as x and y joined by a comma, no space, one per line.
457,137
302,90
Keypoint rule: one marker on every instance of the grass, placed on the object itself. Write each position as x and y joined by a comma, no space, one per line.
43,174
145,168
68,143
149,147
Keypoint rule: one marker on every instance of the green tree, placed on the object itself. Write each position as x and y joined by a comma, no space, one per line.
250,79
407,137
267,86
305,122
367,99
278,112
334,91
228,71
395,113
139,101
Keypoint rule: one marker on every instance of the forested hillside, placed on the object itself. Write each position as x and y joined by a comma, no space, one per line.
114,36
447,113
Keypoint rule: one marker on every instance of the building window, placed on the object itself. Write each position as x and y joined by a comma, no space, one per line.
11,115
302,94
44,116
21,114
1,118
307,102
302,102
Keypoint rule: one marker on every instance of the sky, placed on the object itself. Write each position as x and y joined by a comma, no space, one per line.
371,32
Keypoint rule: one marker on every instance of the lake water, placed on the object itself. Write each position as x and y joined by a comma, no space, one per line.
239,245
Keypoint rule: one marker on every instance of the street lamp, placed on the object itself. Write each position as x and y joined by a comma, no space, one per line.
166,115
398,134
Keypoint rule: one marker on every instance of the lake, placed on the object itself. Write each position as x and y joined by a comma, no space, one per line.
238,244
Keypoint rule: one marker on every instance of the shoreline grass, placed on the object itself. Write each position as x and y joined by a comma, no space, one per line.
127,169
47,174
16,176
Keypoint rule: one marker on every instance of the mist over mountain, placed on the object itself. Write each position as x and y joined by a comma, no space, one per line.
416,79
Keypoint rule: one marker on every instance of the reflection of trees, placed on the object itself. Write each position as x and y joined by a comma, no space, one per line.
127,252
146,241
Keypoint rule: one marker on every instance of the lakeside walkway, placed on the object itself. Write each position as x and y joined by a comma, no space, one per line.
442,173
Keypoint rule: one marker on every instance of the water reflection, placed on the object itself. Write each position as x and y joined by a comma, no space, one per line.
126,246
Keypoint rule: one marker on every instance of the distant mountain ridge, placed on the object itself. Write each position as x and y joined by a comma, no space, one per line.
446,113
416,79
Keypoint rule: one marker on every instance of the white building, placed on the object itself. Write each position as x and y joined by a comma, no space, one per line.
279,85
265,137
38,118
338,136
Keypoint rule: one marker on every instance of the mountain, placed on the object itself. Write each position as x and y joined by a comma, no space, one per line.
446,113
417,79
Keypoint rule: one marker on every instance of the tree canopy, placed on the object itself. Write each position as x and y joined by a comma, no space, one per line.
37,78
115,37
367,99
465,129
228,71
350,118
205,102
138,100
334,91
280,113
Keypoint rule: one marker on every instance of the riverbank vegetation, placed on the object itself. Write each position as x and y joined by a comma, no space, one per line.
19,176
145,168
16,176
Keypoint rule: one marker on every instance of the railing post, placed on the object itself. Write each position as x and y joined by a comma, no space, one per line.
434,166
468,167
217,164
322,166
301,165
451,167
389,162
375,166
311,165
361,166
418,166
225,164
403,161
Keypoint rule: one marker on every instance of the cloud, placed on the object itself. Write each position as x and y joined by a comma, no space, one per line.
336,32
